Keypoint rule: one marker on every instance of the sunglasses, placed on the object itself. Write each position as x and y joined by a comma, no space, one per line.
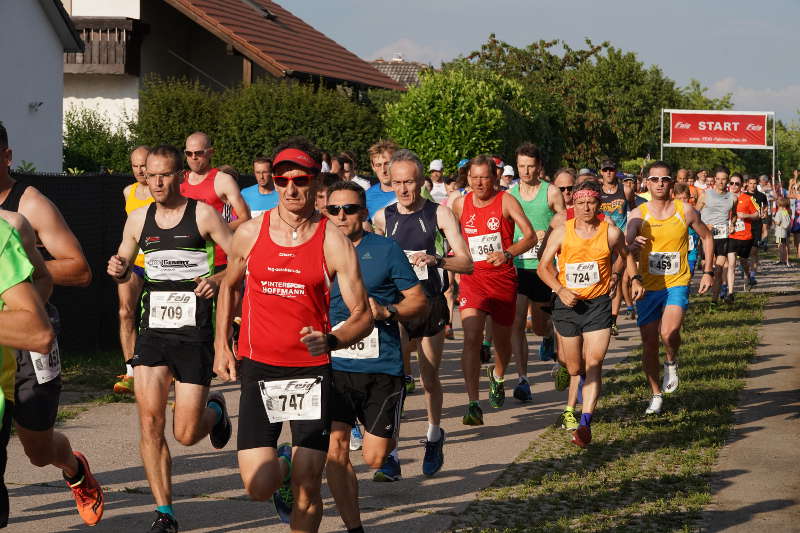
196,153
349,209
660,179
299,181
737,183
608,169
568,188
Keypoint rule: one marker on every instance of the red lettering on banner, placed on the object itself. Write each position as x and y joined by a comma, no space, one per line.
717,128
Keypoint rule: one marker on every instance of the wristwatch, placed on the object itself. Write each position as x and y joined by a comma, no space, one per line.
637,277
392,312
508,255
439,261
708,274
332,341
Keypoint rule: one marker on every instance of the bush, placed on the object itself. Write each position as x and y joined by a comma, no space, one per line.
92,144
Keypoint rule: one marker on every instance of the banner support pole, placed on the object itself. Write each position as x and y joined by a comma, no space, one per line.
661,157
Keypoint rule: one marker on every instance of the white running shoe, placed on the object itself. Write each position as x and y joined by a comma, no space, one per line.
670,382
655,405
356,438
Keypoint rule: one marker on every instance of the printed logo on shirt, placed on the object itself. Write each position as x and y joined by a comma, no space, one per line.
285,269
493,223
152,240
176,265
366,256
284,289
471,221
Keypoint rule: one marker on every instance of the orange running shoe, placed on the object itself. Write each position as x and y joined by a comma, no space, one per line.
88,494
582,436
124,385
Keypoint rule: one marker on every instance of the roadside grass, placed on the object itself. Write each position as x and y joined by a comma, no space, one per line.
640,473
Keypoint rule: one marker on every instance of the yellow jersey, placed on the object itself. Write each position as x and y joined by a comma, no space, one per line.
132,203
585,264
663,260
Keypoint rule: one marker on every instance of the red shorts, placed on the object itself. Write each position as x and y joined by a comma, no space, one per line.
495,293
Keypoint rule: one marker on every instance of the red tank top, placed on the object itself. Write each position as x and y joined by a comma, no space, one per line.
486,230
286,289
204,191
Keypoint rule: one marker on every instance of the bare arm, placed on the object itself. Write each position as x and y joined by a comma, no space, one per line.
212,227
528,240
693,220
412,305
461,260
546,270
228,191
555,199
633,240
23,322
42,281
120,263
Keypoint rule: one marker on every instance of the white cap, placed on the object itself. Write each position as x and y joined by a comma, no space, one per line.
508,170
436,164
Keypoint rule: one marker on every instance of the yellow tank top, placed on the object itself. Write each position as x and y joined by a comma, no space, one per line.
132,203
663,259
585,264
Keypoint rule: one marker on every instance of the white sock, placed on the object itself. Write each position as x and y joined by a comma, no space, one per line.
394,454
434,433
498,378
523,378
129,370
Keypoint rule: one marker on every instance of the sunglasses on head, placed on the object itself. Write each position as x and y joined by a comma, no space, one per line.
349,209
660,179
567,188
196,153
299,181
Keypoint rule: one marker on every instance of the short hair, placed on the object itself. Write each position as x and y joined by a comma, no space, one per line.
263,159
384,145
344,157
351,156
3,136
144,147
349,186
301,143
738,175
169,151
755,178
480,160
660,164
722,168
328,179
530,150
591,185
783,202
404,154
565,170
699,170
680,188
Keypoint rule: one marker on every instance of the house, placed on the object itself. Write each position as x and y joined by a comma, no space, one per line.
35,35
221,43
403,72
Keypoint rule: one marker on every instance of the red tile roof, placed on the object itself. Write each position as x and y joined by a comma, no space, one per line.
282,45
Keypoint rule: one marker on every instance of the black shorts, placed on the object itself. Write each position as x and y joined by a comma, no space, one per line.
586,316
189,362
5,435
374,399
430,323
740,247
530,285
720,247
255,429
756,228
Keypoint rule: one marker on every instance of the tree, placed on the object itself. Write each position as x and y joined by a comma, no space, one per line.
91,144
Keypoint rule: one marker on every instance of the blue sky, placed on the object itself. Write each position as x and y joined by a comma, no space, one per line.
745,48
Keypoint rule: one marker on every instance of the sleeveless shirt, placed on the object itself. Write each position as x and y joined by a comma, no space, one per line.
132,203
416,232
663,260
486,230
539,213
585,264
204,191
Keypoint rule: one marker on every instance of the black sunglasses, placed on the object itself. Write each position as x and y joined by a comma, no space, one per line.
349,209
567,188
607,169
300,181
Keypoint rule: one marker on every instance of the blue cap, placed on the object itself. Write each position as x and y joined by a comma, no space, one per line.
463,162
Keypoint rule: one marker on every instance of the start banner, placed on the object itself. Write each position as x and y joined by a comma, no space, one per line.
718,129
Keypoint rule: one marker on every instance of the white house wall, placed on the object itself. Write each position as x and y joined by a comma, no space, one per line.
31,88
115,97
105,8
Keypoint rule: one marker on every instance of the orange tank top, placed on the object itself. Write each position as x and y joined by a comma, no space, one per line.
585,264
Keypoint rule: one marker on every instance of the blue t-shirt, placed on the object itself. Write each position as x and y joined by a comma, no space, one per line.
377,199
386,271
694,243
257,202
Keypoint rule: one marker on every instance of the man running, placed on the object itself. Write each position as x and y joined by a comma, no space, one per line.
368,375
591,256
289,258
381,194
417,224
658,232
740,241
38,375
488,218
759,226
261,196
540,201
136,195
177,235
717,207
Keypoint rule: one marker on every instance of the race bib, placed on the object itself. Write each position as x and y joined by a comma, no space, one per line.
292,399
420,271
720,231
533,253
480,246
256,212
691,243
739,226
366,348
172,309
47,365
664,263
582,275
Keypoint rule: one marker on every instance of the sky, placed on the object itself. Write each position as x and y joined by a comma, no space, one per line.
748,48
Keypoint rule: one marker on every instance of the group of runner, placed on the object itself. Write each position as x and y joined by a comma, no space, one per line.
313,291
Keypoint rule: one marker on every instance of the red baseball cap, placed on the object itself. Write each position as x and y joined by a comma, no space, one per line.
296,156
498,162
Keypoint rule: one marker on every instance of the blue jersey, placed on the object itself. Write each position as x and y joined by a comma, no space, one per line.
615,206
257,202
377,199
694,244
385,271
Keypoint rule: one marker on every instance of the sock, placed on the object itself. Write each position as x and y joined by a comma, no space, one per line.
166,509
357,529
487,343
522,378
77,479
394,454
217,409
434,433
474,404
570,409
613,319
129,370
586,419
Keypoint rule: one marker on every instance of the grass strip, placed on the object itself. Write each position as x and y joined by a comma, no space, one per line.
640,473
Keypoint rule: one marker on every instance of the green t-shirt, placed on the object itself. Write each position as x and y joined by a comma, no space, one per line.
14,269
539,213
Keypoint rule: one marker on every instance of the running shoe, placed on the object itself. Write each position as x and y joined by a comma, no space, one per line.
568,421
497,391
88,494
164,523
560,377
448,332
723,291
729,299
410,384
474,415
124,385
434,455
283,499
630,312
670,382
752,281
547,349
614,329
356,438
486,353
582,436
221,432
388,472
655,405
522,391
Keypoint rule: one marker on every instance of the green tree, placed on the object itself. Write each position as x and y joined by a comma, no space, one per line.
92,144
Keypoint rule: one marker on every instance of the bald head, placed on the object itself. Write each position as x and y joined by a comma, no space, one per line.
198,140
198,152
138,160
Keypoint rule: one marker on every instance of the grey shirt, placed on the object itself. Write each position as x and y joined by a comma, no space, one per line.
717,207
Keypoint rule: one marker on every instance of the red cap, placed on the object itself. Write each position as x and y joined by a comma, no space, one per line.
298,157
498,162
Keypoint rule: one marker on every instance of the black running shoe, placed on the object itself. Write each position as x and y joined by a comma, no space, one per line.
221,432
164,523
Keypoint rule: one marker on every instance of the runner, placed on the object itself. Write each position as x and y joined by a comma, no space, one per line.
657,232
261,196
717,207
740,241
759,225
38,375
438,190
368,376
591,256
488,218
290,258
416,224
681,192
136,195
540,201
177,236
782,221
381,194
217,189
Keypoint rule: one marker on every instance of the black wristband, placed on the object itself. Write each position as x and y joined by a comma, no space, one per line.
637,277
708,273
332,340
439,261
